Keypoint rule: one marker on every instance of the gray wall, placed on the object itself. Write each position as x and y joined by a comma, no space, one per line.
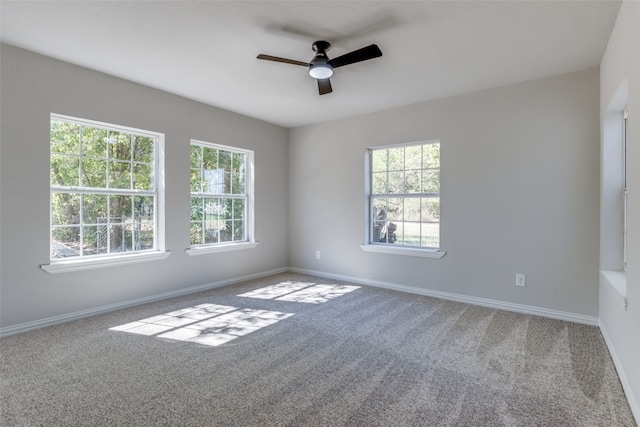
519,193
34,86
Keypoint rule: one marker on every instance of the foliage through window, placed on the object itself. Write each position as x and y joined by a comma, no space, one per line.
404,200
104,189
219,194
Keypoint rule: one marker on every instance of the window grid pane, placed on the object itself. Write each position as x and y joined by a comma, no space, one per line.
405,195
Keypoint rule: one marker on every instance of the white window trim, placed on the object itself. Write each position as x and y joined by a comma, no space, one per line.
422,252
625,193
403,250
92,262
221,247
71,265
616,282
251,243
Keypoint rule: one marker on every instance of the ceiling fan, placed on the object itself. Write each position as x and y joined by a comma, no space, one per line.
321,67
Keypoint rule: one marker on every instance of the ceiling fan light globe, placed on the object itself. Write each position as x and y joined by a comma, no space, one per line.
323,71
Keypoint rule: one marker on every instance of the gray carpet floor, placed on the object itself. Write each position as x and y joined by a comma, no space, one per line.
285,351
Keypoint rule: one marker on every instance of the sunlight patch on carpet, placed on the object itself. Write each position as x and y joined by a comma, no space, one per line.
300,292
208,324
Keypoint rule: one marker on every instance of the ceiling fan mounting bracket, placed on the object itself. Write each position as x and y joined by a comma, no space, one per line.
321,46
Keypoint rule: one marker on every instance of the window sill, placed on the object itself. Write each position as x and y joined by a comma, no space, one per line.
71,265
616,281
204,250
400,250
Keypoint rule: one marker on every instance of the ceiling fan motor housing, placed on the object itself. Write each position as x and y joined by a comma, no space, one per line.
319,67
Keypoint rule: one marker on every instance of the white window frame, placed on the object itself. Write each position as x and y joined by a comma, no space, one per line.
625,118
89,262
249,241
389,248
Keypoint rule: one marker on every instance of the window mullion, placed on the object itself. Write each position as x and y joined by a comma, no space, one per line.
81,222
203,220
80,159
118,192
219,195
625,123
404,195
131,153
108,224
108,161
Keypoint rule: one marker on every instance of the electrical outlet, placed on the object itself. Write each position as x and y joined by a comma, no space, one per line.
521,279
317,254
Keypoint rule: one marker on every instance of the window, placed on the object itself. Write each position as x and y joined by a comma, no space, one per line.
404,196
624,189
613,196
221,196
105,191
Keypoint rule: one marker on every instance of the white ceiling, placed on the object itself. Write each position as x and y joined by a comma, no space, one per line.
206,50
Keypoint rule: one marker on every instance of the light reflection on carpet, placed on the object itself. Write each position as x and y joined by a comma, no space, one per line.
300,292
208,324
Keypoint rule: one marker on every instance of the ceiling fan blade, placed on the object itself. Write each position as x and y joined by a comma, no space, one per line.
363,54
285,60
324,86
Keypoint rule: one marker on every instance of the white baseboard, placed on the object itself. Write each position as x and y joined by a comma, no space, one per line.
501,305
50,321
634,403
